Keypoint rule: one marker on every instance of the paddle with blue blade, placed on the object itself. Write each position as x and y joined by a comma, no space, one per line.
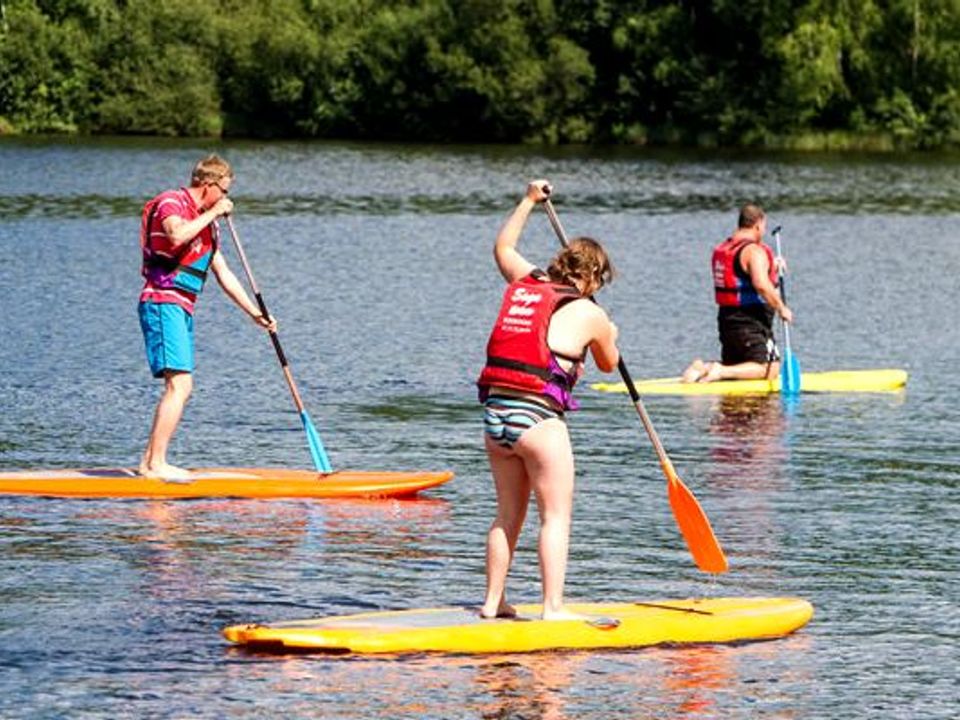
317,452
790,379
690,517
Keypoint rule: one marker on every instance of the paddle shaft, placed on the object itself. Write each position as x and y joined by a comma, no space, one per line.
621,365
317,451
690,518
782,283
274,338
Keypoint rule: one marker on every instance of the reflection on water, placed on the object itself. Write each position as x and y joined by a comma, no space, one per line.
327,179
747,437
93,207
528,686
749,453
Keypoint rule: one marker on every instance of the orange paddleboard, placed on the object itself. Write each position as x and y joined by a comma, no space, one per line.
221,482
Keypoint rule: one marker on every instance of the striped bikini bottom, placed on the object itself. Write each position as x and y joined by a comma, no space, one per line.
505,418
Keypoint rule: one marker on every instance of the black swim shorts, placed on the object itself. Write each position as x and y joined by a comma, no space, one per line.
746,335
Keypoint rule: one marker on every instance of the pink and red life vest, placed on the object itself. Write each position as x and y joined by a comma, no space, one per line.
518,356
731,283
174,274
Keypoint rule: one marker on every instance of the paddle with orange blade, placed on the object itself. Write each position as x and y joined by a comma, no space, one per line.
690,518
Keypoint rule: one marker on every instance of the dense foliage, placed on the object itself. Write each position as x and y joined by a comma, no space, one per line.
730,72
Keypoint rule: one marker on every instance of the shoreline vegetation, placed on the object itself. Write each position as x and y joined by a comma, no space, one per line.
799,75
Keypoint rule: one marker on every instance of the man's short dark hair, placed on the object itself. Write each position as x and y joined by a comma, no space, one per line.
750,215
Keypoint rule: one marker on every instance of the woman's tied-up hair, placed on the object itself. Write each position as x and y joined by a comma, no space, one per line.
583,260
209,170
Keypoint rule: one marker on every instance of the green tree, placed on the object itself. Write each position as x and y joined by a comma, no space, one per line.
45,70
157,70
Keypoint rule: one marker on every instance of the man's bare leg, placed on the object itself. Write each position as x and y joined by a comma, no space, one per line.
178,386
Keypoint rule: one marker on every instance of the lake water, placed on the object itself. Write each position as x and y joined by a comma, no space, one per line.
376,260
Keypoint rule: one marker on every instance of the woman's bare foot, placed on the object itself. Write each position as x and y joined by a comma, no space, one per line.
503,611
694,371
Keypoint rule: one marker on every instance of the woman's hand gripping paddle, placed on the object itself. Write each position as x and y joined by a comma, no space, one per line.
790,379
692,521
319,455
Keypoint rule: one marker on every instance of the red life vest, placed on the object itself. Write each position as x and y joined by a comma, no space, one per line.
518,356
183,268
732,284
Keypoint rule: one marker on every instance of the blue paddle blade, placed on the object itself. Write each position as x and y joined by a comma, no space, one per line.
319,455
790,380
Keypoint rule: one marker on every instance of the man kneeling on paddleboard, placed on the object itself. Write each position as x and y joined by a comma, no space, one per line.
534,356
745,283
180,243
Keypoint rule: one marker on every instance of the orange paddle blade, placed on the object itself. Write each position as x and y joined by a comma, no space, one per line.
695,527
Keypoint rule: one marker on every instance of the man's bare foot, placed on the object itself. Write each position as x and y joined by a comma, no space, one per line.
712,373
694,371
504,611
168,473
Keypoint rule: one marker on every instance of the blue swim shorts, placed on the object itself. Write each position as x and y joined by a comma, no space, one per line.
168,337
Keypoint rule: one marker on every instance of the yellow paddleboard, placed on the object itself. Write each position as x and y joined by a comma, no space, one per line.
460,630
838,381
220,482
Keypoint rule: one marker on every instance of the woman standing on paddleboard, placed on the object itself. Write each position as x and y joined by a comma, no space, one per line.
534,356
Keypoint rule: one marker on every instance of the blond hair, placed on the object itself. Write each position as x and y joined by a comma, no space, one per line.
209,170
584,263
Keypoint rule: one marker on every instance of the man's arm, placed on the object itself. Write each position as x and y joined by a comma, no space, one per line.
236,292
181,231
758,267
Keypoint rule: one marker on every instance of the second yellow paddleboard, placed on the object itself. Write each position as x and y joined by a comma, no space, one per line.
838,381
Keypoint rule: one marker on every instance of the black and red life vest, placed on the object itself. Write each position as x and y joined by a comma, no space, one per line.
731,282
518,356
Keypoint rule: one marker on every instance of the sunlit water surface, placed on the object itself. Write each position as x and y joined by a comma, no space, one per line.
376,260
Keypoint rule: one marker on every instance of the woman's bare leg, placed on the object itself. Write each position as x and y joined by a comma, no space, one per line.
548,459
513,497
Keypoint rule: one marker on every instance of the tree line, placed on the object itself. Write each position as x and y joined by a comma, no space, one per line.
774,73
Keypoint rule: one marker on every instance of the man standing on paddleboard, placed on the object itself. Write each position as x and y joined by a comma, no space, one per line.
745,284
180,244
535,354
